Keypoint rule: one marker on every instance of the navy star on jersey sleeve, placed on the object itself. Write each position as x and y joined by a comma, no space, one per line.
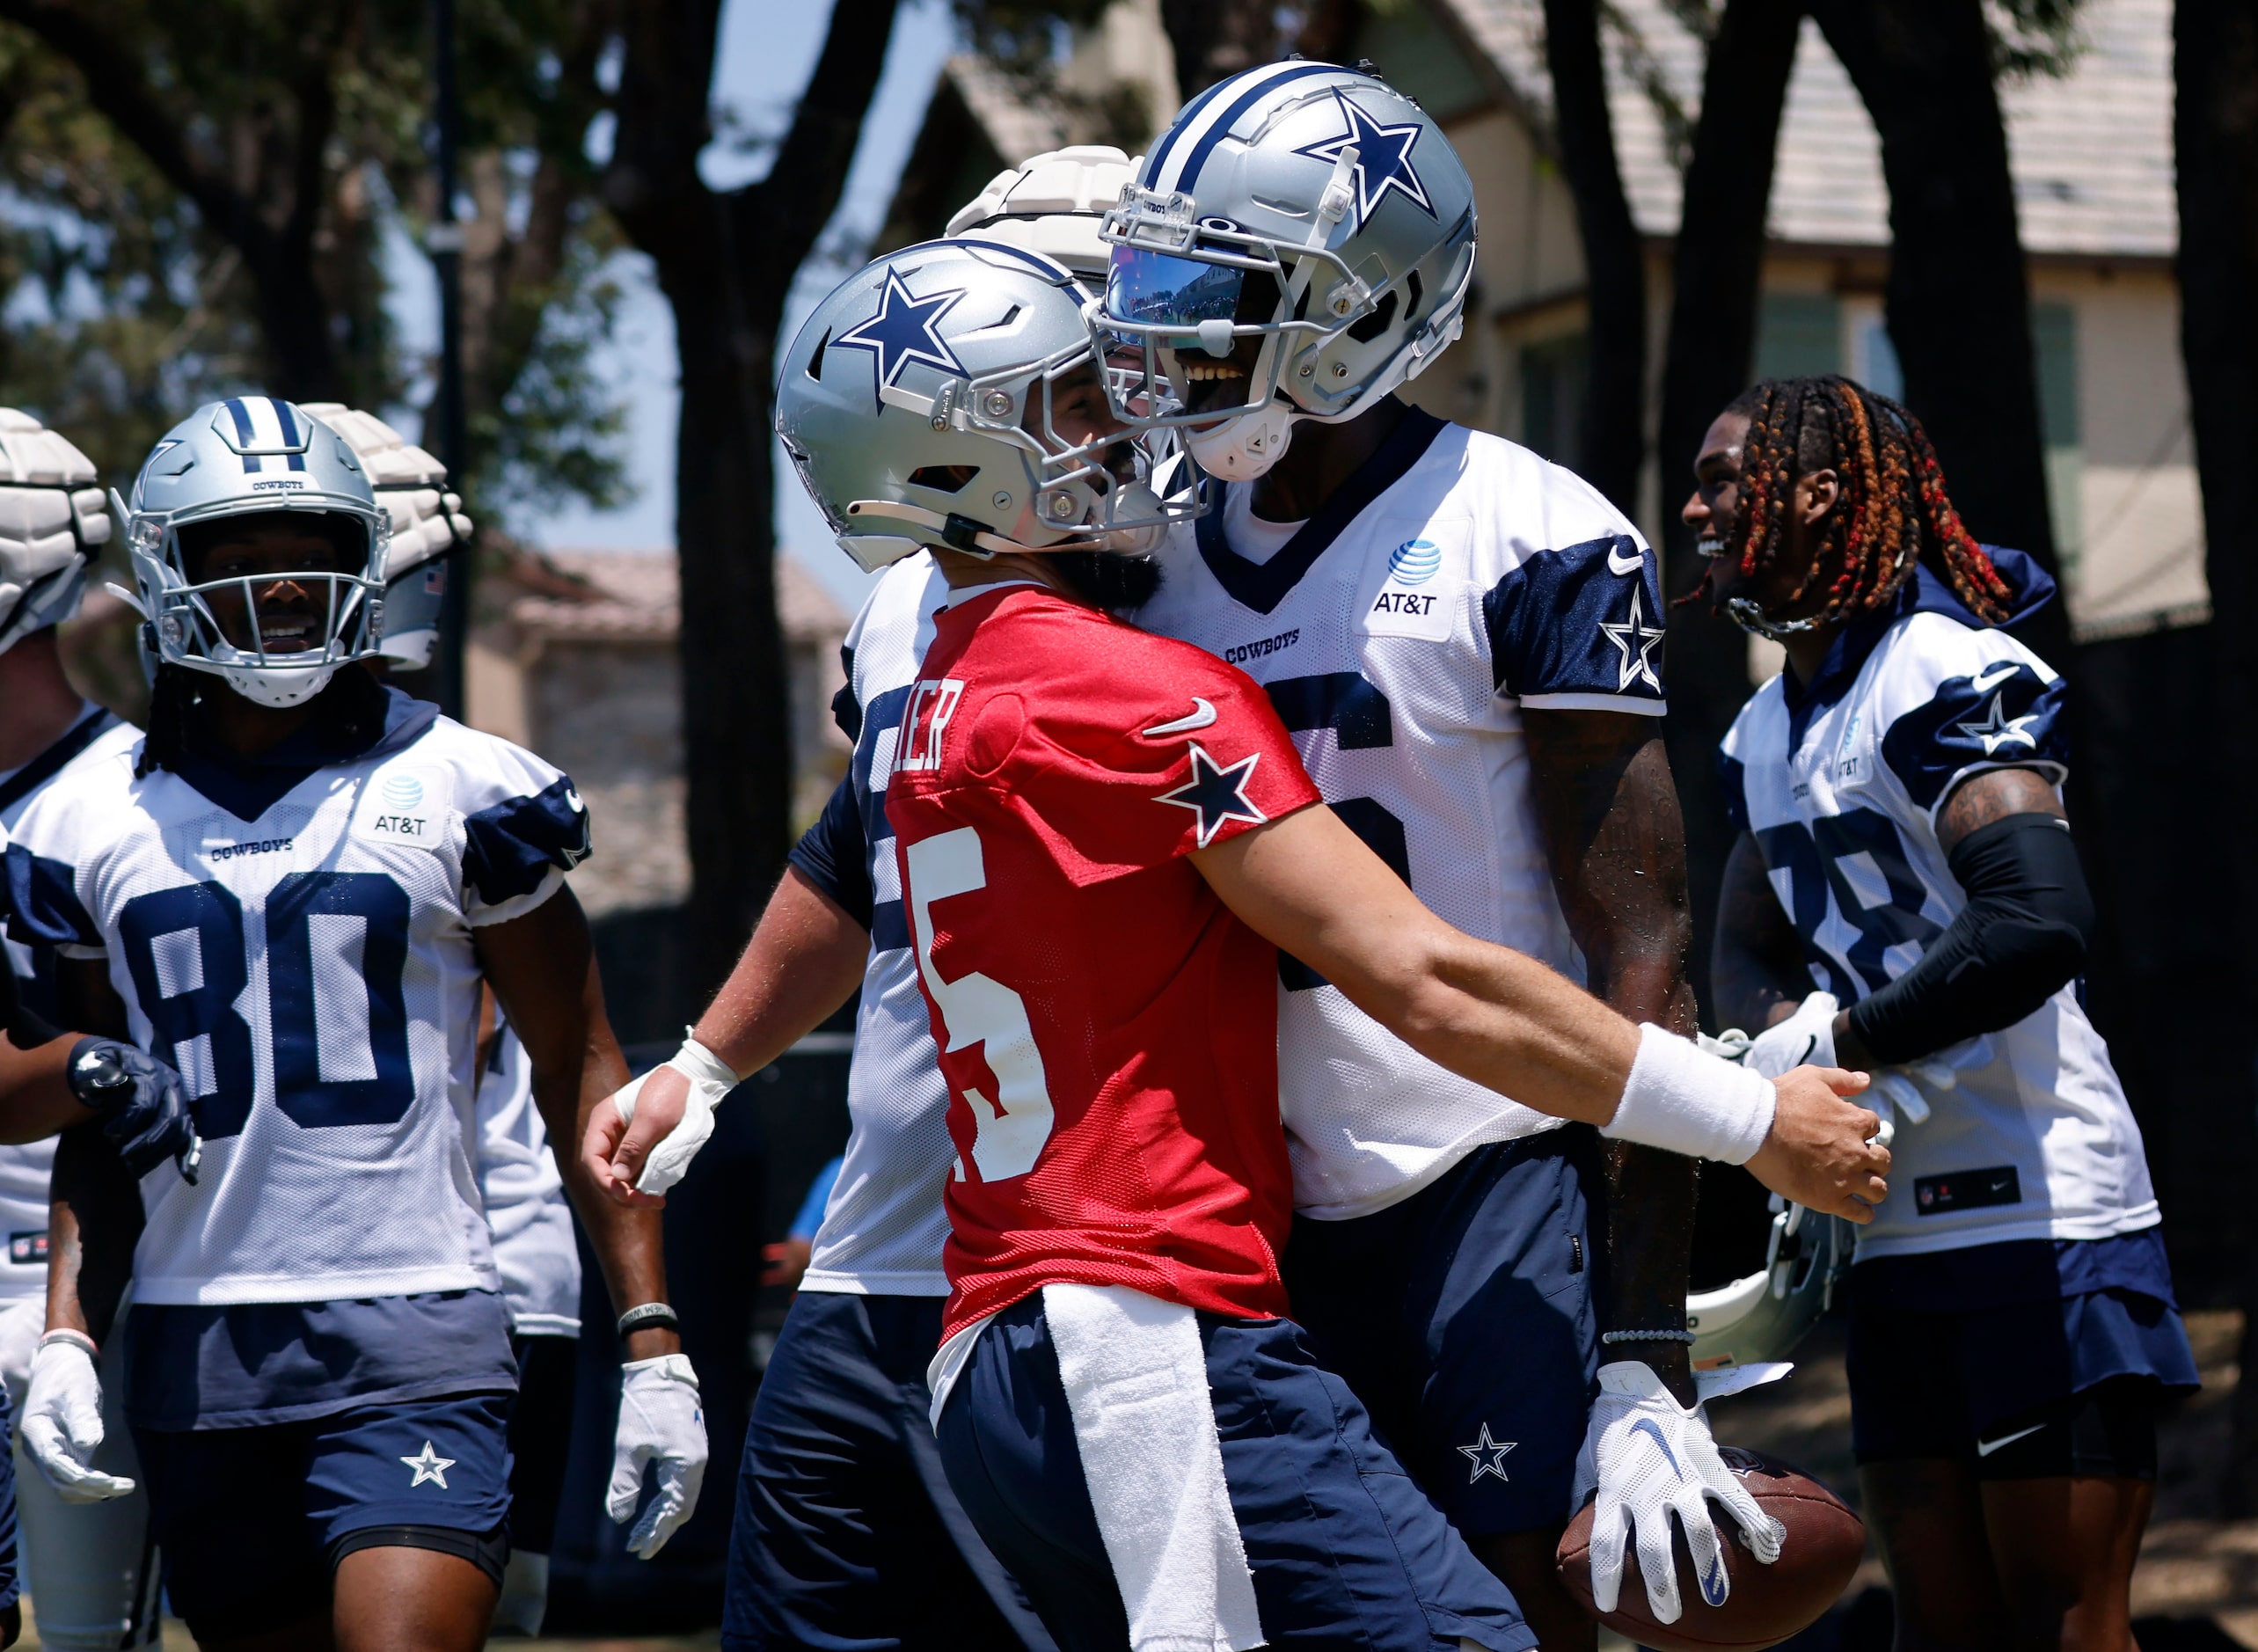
1580,628
2002,714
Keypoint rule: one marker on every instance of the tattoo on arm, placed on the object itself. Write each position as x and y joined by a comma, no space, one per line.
1993,795
1756,967
1617,843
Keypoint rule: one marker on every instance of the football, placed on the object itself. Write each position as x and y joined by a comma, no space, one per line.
1767,1604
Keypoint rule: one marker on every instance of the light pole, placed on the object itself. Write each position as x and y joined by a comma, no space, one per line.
445,436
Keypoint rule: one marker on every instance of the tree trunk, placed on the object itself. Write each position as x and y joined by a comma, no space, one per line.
1717,278
726,262
1958,297
1215,40
1612,441
2214,132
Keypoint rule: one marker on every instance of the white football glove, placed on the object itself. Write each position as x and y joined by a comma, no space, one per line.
1808,1035
1648,1457
1896,1095
660,1421
711,1080
62,1424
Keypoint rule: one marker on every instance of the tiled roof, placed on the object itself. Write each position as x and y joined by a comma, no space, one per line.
636,595
2091,149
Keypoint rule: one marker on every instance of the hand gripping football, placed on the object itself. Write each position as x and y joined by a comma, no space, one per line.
1767,1604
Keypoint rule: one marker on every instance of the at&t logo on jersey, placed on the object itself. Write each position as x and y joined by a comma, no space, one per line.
1412,563
1415,561
402,812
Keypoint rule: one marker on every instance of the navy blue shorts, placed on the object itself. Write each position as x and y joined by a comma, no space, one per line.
846,1533
1463,1317
1345,1551
2030,1359
251,1521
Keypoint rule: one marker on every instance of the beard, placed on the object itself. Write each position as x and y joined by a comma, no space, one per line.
1108,579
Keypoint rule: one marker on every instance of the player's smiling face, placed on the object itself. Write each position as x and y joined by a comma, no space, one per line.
291,614
1080,416
1714,513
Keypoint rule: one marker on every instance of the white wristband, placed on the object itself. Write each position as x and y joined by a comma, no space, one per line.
1682,1100
698,1064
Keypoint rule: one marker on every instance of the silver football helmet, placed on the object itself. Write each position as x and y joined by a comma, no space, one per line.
1052,203
920,403
246,456
51,519
1763,1316
1296,246
427,522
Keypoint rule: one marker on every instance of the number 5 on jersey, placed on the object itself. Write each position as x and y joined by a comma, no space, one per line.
1010,1130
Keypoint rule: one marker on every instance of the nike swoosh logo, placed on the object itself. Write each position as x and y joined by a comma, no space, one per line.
1985,681
1648,1426
1984,1448
1201,715
1631,564
574,799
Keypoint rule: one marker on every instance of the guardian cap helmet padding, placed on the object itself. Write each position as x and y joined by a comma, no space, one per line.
919,405
427,522
243,457
51,519
1052,203
1305,230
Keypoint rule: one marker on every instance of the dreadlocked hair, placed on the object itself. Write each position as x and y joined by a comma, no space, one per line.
348,714
1893,510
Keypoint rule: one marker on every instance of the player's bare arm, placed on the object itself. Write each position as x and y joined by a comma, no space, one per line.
35,1097
1755,965
542,967
1617,842
97,1211
1982,799
1307,884
805,960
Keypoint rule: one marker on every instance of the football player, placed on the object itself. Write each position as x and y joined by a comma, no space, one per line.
1465,642
1084,816
89,1565
519,1183
1904,896
846,1529
291,890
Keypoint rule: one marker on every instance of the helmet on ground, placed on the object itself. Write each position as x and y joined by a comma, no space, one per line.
1763,1316
51,519
1296,246
251,456
921,404
427,522
1052,204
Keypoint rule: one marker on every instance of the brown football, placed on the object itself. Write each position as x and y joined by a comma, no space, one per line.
1766,1604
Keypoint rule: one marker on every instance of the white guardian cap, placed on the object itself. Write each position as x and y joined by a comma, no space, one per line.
427,522
1052,203
928,401
252,455
1298,243
51,519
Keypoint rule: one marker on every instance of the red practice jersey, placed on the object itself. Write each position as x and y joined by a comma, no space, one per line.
1107,1027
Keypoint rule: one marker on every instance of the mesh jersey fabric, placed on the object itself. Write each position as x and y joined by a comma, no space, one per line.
884,1227
523,1192
1105,1022
1841,787
1454,580
25,1168
309,971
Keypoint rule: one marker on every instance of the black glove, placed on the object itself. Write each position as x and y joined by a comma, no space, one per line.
141,1104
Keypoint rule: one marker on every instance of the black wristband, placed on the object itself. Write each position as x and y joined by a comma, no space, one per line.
649,1316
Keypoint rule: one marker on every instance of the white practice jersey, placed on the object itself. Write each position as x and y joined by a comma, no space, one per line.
1841,785
1453,580
884,1227
532,1222
304,960
24,1169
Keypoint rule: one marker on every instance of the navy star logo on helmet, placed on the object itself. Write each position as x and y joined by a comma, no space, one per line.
906,329
1382,158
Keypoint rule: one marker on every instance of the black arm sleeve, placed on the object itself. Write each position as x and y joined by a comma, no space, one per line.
2024,933
834,855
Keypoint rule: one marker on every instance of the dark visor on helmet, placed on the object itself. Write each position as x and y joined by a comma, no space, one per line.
1156,289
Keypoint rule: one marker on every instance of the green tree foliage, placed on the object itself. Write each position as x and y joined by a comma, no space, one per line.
195,200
